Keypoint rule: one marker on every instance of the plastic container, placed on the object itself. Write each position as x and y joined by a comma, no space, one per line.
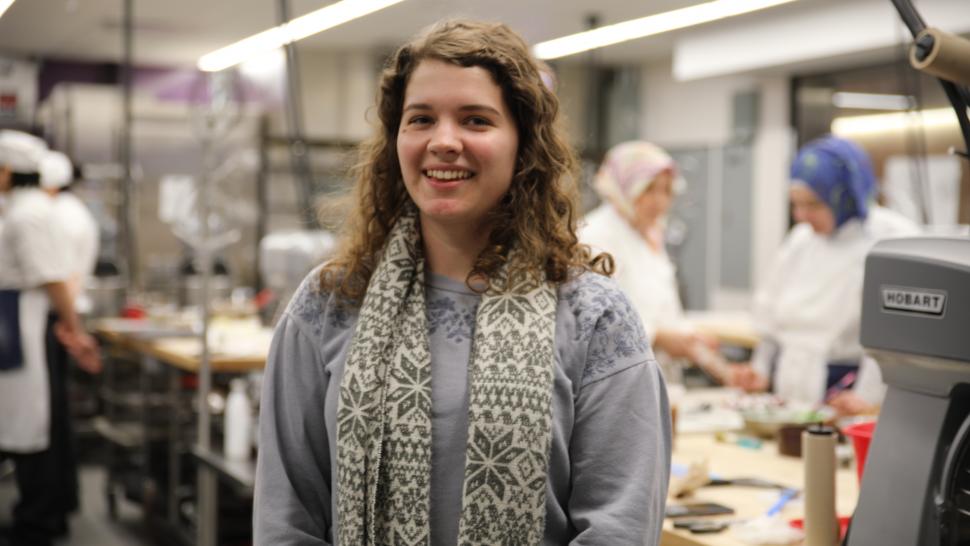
237,435
861,434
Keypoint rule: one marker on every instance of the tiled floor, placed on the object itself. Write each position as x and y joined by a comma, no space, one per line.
90,526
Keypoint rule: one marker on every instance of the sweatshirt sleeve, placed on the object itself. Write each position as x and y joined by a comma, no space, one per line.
620,446
292,499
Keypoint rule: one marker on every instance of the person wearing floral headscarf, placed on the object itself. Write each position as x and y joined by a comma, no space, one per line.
637,182
809,309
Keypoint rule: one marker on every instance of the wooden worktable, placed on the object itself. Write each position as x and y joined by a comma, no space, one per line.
180,351
732,461
734,328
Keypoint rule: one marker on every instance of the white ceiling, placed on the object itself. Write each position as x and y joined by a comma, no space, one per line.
177,32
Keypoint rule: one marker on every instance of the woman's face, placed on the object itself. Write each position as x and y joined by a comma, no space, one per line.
655,201
806,207
457,143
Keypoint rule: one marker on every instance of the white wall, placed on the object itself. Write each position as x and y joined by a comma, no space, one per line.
774,149
682,114
572,90
338,90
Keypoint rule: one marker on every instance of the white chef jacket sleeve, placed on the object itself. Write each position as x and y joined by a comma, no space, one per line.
40,247
869,385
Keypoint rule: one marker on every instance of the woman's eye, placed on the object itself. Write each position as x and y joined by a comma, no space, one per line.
478,121
419,120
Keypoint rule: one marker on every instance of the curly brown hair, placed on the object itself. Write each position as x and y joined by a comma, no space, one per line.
536,217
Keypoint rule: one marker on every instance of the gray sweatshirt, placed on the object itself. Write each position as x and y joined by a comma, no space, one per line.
610,454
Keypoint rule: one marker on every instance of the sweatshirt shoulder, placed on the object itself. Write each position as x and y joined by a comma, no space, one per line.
598,317
319,311
590,292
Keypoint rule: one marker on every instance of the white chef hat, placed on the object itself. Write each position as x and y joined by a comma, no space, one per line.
56,170
21,152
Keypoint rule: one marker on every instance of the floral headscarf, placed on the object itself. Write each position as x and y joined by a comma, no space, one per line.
839,173
629,169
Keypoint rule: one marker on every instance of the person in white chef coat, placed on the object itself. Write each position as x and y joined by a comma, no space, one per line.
637,182
79,225
809,309
80,232
34,275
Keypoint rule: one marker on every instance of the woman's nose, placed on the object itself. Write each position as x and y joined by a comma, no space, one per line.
445,140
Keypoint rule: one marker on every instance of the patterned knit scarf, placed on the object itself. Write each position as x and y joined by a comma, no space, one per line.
384,411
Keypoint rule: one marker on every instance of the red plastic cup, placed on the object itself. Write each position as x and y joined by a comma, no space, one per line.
861,434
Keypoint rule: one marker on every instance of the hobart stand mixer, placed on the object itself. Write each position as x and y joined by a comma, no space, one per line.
916,324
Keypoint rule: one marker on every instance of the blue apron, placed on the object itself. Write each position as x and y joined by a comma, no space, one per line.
11,352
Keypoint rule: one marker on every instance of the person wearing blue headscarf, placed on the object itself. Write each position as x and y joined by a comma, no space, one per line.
809,308
839,175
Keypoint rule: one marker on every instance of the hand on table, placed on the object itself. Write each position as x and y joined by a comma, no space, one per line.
849,403
743,376
81,346
687,345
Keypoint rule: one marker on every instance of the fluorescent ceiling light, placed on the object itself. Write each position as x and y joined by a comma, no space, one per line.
265,66
4,6
872,101
853,126
649,26
297,29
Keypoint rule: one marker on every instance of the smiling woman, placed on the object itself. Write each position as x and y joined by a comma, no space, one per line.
481,379
457,145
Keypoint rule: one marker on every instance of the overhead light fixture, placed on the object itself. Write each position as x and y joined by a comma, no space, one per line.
649,26
4,6
854,126
872,101
264,66
297,29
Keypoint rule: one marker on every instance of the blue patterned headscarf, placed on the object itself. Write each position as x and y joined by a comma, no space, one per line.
839,173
